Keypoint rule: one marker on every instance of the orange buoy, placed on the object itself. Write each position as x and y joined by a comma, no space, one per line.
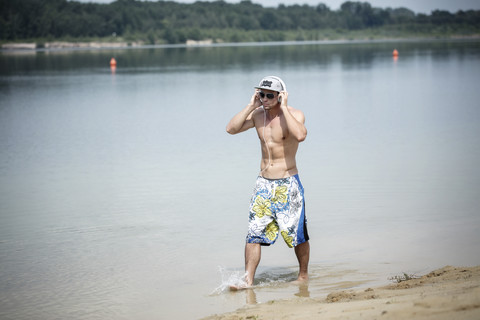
395,53
113,65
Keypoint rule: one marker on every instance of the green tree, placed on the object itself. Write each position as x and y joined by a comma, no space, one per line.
243,21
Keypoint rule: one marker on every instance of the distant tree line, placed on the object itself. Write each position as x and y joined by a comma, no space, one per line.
172,22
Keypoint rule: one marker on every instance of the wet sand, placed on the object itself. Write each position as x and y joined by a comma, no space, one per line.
446,293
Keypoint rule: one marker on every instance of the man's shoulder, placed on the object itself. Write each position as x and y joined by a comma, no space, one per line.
257,113
297,113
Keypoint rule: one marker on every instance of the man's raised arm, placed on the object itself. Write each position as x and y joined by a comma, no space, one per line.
295,122
244,119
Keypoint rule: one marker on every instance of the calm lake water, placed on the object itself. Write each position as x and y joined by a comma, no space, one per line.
122,196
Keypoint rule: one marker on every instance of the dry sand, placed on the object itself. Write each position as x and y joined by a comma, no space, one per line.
447,293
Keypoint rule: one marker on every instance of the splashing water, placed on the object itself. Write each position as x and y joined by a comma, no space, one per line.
230,278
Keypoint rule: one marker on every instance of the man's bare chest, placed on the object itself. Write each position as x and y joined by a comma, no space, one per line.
273,131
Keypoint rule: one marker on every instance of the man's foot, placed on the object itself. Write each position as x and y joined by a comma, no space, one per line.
239,287
300,280
243,284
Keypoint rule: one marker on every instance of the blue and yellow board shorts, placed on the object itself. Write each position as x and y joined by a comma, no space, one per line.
277,206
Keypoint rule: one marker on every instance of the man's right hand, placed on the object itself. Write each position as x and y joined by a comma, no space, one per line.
243,120
255,100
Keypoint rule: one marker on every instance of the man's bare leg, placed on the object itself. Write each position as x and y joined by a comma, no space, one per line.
252,259
302,251
253,252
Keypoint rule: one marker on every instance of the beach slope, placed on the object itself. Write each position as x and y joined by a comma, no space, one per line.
446,293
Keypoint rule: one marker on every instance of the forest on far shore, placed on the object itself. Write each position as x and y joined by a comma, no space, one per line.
170,22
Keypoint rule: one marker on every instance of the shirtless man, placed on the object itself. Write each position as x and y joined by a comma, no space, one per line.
277,205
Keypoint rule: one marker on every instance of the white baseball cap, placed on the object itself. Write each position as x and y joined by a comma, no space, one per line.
272,83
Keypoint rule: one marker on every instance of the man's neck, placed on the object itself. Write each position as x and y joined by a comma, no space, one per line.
272,113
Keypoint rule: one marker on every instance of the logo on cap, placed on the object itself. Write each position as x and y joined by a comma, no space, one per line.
267,83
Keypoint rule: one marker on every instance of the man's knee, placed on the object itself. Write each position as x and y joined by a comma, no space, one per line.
303,247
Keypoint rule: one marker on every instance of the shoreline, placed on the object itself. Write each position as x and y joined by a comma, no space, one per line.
99,45
446,293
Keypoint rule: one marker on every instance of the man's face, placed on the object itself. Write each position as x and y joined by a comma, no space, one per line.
269,98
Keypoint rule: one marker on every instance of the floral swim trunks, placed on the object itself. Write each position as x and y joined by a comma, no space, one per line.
277,206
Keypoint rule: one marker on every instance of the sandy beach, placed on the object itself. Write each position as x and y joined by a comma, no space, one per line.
446,293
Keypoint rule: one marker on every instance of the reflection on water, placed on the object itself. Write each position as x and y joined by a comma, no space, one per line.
117,186
180,59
